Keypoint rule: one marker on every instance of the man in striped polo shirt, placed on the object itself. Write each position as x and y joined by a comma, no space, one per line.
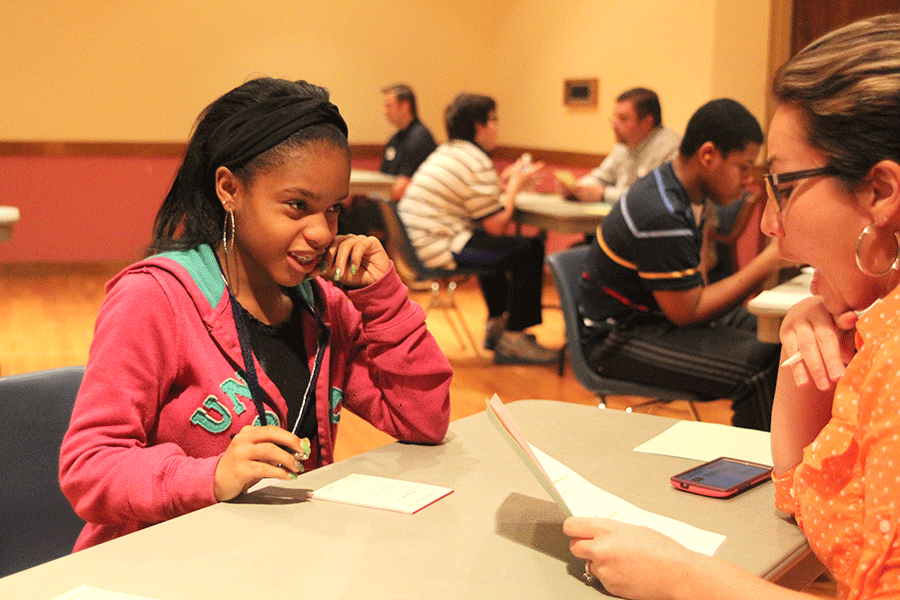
457,209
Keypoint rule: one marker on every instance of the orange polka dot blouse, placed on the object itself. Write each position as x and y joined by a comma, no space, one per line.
845,493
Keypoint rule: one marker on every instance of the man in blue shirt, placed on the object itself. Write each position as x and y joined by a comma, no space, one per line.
411,145
405,151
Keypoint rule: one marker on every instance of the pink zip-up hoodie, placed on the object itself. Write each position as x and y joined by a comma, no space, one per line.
161,396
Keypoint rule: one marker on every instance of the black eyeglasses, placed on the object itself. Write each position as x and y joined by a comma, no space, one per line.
773,180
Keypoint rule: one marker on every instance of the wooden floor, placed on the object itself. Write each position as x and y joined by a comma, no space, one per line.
47,314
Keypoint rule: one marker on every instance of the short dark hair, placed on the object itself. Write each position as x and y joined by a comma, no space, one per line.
466,110
645,102
403,93
724,122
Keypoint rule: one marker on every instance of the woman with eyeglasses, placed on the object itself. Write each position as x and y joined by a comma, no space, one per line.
229,354
834,203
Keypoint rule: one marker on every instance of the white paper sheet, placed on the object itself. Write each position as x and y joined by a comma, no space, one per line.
380,492
87,592
706,441
585,499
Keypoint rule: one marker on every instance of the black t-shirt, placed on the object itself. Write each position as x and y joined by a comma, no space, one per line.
281,352
407,149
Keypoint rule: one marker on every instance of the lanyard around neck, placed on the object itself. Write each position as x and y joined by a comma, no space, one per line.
257,394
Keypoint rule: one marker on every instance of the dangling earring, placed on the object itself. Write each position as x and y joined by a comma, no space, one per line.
229,216
859,241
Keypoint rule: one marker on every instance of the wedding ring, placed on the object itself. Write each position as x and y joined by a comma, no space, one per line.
588,576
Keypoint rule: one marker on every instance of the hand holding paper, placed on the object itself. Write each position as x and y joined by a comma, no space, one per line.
577,496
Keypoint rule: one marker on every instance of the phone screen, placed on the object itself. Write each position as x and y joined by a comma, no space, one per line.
721,475
724,473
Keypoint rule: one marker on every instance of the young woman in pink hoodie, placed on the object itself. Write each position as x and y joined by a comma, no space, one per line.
228,355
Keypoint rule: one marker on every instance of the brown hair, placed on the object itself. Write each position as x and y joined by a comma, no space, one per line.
847,84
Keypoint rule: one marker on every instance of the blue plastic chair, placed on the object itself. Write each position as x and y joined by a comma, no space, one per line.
37,523
567,268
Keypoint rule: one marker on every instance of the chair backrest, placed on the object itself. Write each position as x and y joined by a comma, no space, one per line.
37,523
399,245
567,268
400,248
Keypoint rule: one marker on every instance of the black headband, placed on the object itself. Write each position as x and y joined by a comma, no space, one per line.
262,126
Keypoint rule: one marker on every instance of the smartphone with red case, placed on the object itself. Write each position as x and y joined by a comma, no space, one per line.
722,477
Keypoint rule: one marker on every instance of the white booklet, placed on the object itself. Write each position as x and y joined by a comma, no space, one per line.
380,492
576,496
87,592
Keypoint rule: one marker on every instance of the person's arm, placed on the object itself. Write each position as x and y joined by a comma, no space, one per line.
642,564
517,176
397,378
704,303
798,415
590,188
399,187
801,409
108,468
394,374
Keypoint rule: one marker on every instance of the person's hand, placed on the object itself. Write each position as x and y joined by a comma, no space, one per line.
588,192
521,174
629,560
256,453
825,341
355,261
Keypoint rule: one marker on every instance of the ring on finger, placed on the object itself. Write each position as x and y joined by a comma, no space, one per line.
588,576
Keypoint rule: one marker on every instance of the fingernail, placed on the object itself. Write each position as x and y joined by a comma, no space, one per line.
353,269
304,450
337,274
293,475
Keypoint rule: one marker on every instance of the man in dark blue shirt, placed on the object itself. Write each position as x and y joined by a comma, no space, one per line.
411,145
405,151
649,313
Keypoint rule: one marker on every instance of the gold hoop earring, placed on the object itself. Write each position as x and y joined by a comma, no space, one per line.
229,216
870,228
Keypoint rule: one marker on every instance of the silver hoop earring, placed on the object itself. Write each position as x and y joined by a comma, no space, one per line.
229,216
870,228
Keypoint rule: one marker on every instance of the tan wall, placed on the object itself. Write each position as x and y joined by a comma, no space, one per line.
141,71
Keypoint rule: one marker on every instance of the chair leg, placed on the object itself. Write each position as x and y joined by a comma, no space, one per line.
561,367
694,410
649,403
449,305
451,296
655,401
